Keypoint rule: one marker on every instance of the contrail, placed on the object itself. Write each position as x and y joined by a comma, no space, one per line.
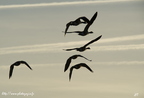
108,63
58,4
118,47
116,63
57,47
52,49
124,38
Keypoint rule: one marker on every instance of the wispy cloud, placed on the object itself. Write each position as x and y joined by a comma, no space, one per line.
108,63
57,47
124,38
116,63
118,47
58,3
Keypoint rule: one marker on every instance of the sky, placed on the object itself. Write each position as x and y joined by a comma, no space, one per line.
32,30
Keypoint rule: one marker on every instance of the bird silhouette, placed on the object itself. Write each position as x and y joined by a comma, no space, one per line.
17,63
73,57
83,48
76,22
85,31
77,66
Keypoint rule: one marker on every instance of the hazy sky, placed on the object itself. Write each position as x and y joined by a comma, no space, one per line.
32,30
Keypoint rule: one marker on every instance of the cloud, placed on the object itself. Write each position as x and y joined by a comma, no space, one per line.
124,38
116,63
58,3
47,48
109,63
118,47
57,47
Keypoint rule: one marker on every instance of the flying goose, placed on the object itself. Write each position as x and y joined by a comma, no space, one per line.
76,22
83,48
73,57
17,63
85,31
77,66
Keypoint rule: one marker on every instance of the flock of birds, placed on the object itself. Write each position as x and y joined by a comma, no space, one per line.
78,21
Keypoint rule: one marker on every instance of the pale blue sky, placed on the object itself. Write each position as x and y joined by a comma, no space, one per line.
35,34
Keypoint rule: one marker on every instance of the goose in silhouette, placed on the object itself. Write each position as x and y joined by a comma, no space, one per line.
17,63
73,57
77,66
76,22
85,31
83,48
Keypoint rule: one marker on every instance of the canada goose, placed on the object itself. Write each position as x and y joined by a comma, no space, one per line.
76,22
17,63
85,31
73,57
77,66
83,48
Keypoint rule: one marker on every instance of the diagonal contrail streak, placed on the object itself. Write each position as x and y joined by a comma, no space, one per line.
118,47
58,3
107,63
57,47
52,50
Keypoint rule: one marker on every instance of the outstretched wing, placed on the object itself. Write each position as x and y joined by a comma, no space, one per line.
93,18
90,22
93,40
85,65
67,26
67,64
11,70
70,74
86,20
75,32
84,57
70,49
26,64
